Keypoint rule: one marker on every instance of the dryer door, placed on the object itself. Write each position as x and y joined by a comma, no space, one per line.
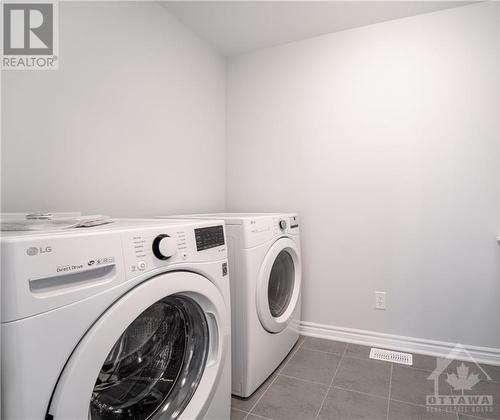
158,352
278,287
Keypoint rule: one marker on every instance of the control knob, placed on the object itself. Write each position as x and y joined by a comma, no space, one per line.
164,247
282,224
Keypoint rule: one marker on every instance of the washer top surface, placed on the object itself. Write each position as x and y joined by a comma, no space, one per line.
116,225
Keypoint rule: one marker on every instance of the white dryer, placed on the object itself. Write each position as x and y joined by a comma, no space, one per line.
265,271
129,320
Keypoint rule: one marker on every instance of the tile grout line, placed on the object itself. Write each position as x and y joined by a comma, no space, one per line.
260,417
323,351
331,382
390,390
412,367
272,382
359,392
303,380
240,410
410,403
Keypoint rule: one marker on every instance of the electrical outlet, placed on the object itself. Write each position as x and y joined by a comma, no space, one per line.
380,300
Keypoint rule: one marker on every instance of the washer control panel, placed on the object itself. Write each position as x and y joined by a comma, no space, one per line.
149,249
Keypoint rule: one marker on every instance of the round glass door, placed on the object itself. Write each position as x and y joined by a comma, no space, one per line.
155,367
281,284
278,286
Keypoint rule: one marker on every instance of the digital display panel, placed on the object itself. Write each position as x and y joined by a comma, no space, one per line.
209,237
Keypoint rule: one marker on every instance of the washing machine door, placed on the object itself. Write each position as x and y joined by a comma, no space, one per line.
278,286
158,352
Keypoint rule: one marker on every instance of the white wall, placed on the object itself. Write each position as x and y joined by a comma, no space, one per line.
132,123
386,140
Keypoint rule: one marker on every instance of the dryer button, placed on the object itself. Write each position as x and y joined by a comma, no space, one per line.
141,265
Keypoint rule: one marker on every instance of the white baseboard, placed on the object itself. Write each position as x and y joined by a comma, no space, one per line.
487,355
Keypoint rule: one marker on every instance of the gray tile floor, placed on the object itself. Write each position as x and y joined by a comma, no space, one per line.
322,379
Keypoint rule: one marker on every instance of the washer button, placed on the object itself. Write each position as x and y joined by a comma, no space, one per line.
141,265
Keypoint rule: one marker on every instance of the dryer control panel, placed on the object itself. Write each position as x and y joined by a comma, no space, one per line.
286,224
263,228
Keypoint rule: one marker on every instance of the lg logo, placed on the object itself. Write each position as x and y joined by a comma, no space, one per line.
33,250
28,29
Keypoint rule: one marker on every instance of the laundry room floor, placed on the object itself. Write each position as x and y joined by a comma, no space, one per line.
323,379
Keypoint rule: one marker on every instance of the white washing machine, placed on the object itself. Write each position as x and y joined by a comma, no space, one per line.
265,271
129,320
